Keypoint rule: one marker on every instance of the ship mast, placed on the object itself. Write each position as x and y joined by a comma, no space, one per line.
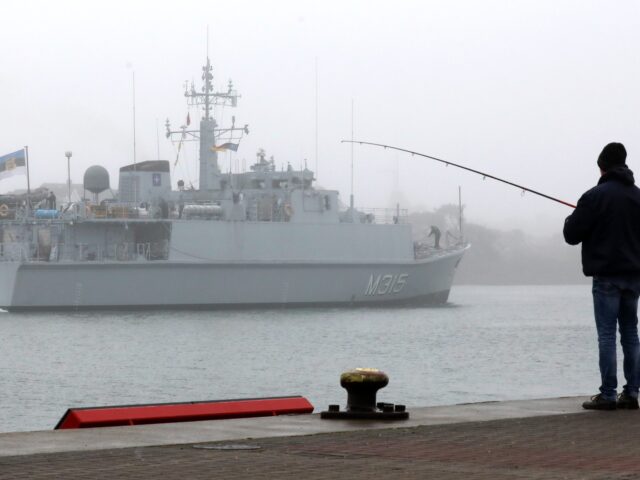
209,135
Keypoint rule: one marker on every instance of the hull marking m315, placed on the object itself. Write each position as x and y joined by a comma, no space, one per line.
386,284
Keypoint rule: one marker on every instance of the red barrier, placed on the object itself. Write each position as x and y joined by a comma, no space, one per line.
182,412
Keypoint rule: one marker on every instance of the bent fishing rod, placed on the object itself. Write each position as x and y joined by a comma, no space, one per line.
447,163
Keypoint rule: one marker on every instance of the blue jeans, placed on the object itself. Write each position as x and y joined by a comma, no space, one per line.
615,301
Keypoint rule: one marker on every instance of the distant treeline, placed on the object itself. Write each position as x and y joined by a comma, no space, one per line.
498,257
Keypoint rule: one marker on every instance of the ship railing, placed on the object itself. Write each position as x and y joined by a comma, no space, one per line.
422,250
84,252
14,251
384,216
120,252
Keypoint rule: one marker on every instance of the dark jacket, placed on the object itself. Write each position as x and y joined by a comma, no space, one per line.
607,222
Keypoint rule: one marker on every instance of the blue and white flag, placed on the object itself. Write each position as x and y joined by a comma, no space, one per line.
13,164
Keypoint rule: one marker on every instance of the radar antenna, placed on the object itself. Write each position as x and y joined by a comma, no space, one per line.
211,137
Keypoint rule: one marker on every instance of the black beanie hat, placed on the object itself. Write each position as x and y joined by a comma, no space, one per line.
613,155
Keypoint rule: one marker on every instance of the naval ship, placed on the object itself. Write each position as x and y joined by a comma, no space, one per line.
262,237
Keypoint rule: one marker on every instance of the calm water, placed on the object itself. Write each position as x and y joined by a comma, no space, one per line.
491,343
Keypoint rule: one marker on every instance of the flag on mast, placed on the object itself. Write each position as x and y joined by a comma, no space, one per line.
13,164
188,119
224,147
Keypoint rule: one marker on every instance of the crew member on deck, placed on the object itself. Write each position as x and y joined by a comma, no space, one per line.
51,201
435,231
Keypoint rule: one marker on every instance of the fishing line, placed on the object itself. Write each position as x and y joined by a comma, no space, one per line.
447,163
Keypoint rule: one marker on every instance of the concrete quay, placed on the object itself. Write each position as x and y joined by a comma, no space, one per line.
532,439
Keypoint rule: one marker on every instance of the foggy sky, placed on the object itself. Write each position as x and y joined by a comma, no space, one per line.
527,90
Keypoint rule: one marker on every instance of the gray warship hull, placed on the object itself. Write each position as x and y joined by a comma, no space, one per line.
223,285
195,279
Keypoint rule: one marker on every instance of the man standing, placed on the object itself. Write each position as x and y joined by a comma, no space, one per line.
435,231
51,200
607,222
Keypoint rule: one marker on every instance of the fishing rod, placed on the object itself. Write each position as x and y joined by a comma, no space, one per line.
447,163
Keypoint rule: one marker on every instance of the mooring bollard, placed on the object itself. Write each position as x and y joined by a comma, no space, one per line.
362,385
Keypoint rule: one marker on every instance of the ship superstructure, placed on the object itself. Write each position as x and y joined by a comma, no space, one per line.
266,236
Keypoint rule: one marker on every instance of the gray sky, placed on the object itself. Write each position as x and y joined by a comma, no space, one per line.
527,90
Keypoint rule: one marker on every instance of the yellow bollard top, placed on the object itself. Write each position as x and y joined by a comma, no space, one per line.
364,375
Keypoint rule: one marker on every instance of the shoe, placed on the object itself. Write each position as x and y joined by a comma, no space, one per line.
627,401
599,403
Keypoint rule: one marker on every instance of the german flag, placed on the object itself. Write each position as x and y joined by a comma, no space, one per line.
224,147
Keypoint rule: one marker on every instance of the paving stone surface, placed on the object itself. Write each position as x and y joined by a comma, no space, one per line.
598,445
